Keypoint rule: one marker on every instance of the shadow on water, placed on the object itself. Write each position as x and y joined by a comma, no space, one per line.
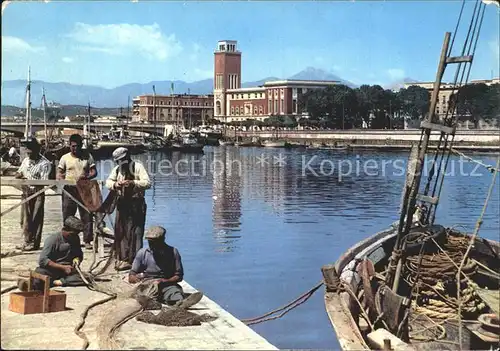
255,225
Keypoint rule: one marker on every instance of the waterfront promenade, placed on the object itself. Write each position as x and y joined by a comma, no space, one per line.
55,330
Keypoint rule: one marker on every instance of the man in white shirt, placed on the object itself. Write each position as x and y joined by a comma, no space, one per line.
75,165
34,166
130,180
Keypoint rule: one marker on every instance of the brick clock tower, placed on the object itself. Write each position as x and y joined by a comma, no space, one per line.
227,74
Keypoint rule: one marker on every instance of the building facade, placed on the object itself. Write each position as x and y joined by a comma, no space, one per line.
273,98
176,109
445,92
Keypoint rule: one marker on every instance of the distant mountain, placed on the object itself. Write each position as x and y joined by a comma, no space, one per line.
311,73
258,82
13,91
400,84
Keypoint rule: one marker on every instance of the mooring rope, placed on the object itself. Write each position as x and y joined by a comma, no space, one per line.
490,168
284,309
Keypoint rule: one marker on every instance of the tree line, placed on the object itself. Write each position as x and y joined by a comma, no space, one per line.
341,107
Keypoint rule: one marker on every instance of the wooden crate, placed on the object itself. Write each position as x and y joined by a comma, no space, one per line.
31,301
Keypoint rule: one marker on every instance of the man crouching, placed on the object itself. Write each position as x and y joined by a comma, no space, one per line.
162,264
60,253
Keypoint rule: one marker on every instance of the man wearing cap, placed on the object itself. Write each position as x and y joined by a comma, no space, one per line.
75,165
60,253
162,263
130,180
34,166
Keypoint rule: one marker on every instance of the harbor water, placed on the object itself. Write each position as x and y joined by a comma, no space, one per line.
255,225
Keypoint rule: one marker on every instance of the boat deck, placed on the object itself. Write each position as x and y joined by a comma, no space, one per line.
55,330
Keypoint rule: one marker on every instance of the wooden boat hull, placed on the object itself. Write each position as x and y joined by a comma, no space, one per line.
225,143
339,305
274,144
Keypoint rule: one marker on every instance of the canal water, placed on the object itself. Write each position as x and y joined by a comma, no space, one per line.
255,225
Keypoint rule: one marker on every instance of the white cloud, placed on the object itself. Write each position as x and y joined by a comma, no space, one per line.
18,45
67,59
396,73
119,39
337,68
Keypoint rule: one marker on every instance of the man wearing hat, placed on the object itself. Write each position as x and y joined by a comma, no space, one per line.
130,180
162,263
34,166
60,253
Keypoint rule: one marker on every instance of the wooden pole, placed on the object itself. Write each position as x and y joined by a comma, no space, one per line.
26,200
408,209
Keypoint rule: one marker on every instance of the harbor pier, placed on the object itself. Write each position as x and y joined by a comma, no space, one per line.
56,330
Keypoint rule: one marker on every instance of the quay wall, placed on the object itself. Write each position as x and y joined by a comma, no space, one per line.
377,137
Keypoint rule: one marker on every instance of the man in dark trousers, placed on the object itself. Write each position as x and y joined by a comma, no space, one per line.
162,264
60,253
75,165
130,180
33,167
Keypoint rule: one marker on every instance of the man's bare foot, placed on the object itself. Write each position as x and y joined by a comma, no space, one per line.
57,283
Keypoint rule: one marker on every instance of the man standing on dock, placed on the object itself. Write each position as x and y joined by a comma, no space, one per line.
76,165
33,167
130,180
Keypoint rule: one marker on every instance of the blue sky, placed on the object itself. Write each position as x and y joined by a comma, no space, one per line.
114,43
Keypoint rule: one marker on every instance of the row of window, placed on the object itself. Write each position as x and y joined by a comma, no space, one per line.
241,110
191,103
247,96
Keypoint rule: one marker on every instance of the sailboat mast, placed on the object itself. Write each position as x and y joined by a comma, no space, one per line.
28,126
44,101
154,109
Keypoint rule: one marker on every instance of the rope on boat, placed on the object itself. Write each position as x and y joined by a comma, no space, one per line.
284,309
490,168
469,247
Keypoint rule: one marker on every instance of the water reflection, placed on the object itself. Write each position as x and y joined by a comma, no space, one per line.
226,197
249,212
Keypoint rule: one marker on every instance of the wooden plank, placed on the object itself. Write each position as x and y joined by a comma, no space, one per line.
459,59
344,325
39,182
438,127
378,340
491,298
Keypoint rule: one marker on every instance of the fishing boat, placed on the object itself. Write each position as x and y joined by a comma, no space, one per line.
419,285
226,142
275,141
187,143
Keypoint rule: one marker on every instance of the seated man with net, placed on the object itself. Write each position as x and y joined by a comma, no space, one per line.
161,264
60,254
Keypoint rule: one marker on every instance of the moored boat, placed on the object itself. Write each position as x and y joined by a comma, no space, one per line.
419,285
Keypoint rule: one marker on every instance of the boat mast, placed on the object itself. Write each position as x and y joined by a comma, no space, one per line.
44,102
446,130
28,125
154,110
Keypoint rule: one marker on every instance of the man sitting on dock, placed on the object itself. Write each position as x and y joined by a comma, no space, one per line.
162,264
60,253
33,167
129,179
75,165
